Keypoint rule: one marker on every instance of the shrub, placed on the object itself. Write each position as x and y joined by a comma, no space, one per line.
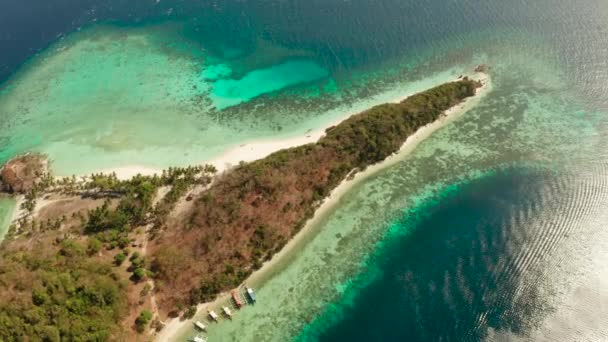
145,290
119,258
39,297
94,246
134,256
142,320
190,312
139,274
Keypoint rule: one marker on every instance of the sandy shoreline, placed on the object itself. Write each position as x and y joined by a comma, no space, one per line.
253,150
18,212
176,328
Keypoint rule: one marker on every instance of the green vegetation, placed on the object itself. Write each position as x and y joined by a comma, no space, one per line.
119,258
141,322
181,181
139,274
135,206
145,290
62,288
251,212
94,246
58,293
190,312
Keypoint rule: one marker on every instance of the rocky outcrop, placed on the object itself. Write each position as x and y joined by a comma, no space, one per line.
21,174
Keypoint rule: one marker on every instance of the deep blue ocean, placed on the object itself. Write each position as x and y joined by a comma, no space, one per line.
511,244
452,275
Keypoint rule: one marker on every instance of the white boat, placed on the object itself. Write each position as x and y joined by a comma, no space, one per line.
251,294
200,325
199,338
227,311
214,316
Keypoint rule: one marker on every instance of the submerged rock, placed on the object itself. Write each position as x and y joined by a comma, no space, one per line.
21,174
483,68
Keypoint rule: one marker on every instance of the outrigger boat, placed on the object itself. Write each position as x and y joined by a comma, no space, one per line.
199,338
200,325
237,300
214,316
250,293
227,311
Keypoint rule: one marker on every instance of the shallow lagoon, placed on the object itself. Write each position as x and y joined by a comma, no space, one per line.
109,97
230,92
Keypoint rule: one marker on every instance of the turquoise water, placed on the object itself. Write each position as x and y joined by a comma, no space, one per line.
442,272
108,97
230,92
491,229
111,96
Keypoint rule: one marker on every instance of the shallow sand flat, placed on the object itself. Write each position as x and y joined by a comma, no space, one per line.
260,148
125,100
136,100
109,96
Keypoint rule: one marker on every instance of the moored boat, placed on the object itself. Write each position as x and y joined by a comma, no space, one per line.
227,311
237,299
214,316
250,294
199,338
200,325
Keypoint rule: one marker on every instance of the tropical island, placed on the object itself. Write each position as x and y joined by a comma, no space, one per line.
102,258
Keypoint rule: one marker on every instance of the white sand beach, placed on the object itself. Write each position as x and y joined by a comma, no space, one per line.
257,149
